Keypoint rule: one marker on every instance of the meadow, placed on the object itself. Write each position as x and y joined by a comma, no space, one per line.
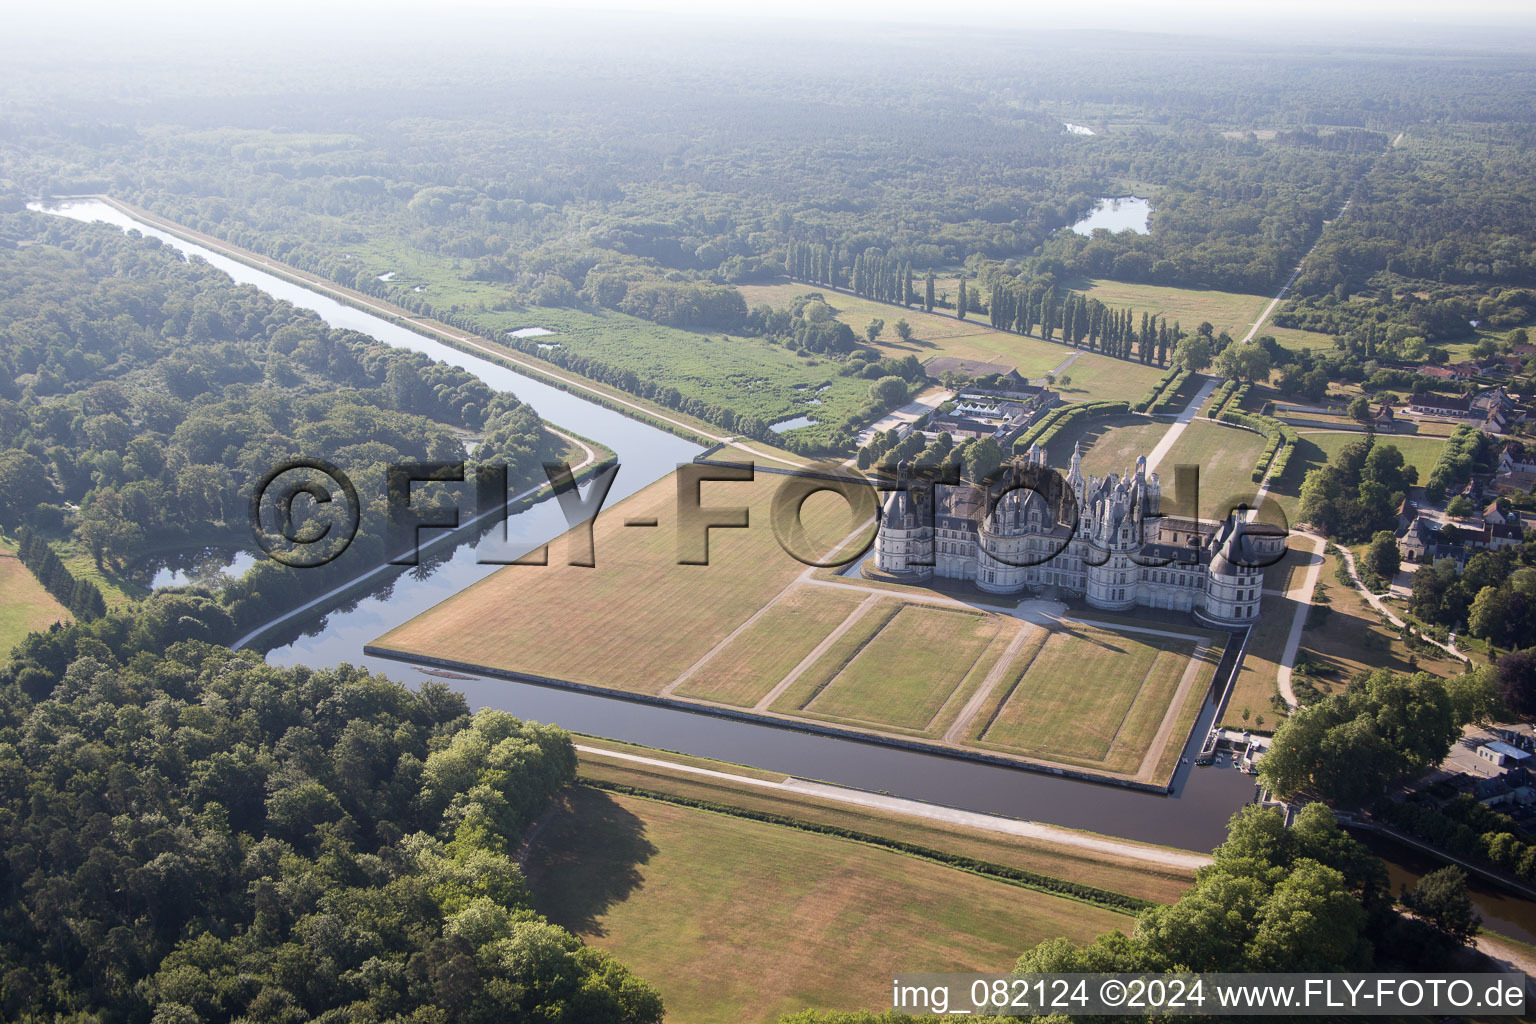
1047,712
735,920
27,606
1317,448
637,619
933,334
1101,869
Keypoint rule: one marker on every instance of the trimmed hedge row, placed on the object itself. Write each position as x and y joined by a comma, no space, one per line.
1053,427
1219,400
1282,438
1170,393
1156,391
1028,879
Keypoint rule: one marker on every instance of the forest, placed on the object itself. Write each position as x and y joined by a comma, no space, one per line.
143,396
195,836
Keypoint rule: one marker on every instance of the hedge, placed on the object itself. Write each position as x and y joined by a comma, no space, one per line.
1046,431
1219,400
1028,879
1156,391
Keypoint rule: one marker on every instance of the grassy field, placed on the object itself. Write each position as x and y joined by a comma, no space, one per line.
638,619
1233,312
1100,378
1352,640
932,334
740,921
749,666
1049,712
1317,447
27,606
1113,872
1225,456
906,672
1110,445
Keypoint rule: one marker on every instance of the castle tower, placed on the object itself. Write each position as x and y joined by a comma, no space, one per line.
1233,589
904,545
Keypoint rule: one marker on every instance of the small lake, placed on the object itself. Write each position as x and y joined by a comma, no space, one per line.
194,566
1125,213
791,424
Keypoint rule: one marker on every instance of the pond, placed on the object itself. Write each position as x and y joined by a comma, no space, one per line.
1123,213
790,424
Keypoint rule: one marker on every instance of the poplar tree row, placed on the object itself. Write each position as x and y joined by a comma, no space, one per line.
1077,320
81,597
1083,323
872,274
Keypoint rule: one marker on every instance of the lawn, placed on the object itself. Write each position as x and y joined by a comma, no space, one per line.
1351,640
907,671
735,920
743,671
27,606
638,619
1097,377
932,334
1233,312
1107,724
1225,457
1090,867
1318,447
1110,445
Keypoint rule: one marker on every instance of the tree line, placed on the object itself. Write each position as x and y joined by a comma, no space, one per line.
222,840
80,596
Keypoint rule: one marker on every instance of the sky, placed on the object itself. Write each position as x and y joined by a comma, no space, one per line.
71,25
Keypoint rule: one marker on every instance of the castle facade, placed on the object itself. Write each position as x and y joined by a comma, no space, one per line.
1016,535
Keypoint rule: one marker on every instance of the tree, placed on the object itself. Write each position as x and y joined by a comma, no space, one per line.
1360,410
928,293
961,300
903,329
888,391
1460,507
1192,353
1516,673
1246,360
1381,555
873,328
1441,898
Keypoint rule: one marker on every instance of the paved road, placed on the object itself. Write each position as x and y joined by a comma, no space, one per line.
908,414
934,812
1301,593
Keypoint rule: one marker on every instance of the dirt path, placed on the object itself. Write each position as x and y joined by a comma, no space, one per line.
1154,752
950,815
816,653
955,733
1375,602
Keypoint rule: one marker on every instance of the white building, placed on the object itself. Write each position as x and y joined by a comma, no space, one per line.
1009,538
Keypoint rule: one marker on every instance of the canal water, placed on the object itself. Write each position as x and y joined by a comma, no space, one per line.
1193,816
